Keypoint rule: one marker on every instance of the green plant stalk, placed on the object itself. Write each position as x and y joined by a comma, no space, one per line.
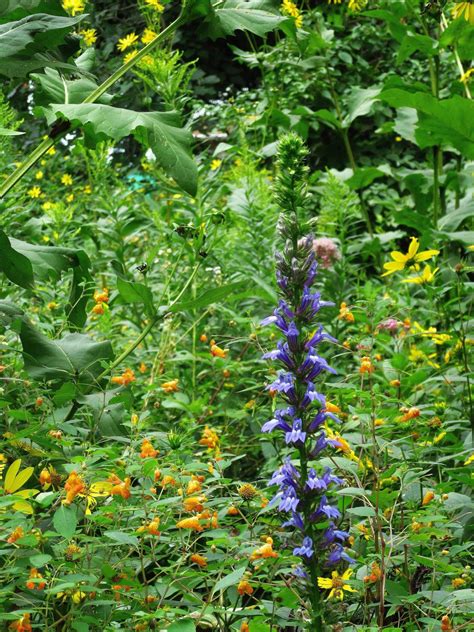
47,143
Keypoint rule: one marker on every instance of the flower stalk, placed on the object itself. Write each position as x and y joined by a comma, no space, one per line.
305,487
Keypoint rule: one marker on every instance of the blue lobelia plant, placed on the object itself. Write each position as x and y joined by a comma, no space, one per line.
305,487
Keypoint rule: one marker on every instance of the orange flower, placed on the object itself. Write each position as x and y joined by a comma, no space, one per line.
101,296
22,625
264,551
200,560
410,413
332,408
209,438
73,486
395,383
345,313
39,402
120,488
171,386
190,523
157,475
15,535
366,365
217,352
167,480
375,575
446,624
99,309
194,503
55,434
45,477
127,377
244,588
244,627
226,373
203,338
427,498
35,585
143,367
147,449
233,511
152,527
194,486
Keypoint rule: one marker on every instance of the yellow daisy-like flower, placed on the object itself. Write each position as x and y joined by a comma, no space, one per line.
465,10
129,56
125,42
73,6
469,460
34,192
425,277
290,9
336,584
357,5
89,35
148,36
410,259
39,175
66,179
215,164
156,5
334,1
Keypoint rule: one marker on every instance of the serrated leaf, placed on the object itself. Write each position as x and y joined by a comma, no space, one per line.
160,131
56,89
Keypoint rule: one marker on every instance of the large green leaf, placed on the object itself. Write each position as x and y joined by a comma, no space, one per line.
454,218
25,42
20,260
65,521
161,131
256,16
73,358
359,103
448,122
56,89
108,415
133,292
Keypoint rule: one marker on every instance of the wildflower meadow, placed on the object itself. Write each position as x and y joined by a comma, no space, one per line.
236,242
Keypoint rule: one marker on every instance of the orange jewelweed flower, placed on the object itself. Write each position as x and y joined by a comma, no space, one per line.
45,477
194,503
332,408
427,498
209,438
203,338
411,413
375,575
200,560
167,480
194,486
73,486
244,627
39,402
151,527
99,309
244,588
366,365
264,551
345,313
147,449
190,523
446,624
120,488
35,585
101,296
171,386
143,367
127,377
233,511
217,352
22,625
15,535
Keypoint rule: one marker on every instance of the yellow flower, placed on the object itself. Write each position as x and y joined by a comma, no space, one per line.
51,151
130,56
34,192
336,584
469,460
148,36
215,164
466,76
14,480
156,5
125,42
410,259
290,9
464,9
425,277
66,179
89,35
334,1
39,175
70,197
457,582
73,6
357,5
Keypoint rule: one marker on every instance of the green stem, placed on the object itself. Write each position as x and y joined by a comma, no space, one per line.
91,98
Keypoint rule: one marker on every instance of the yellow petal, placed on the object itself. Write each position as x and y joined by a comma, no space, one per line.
426,254
324,582
399,256
392,266
347,573
11,474
349,588
413,247
27,493
13,480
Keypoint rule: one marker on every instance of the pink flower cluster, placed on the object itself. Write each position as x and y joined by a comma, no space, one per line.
326,251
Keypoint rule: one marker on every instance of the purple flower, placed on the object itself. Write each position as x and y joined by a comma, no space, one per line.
296,520
325,510
306,549
292,334
296,434
314,482
337,554
288,500
299,572
332,534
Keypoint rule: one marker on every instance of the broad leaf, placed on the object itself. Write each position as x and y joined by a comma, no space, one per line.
230,580
454,218
132,292
65,521
75,358
53,88
359,103
161,131
449,122
16,267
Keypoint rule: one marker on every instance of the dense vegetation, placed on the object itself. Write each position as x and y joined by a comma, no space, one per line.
235,315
